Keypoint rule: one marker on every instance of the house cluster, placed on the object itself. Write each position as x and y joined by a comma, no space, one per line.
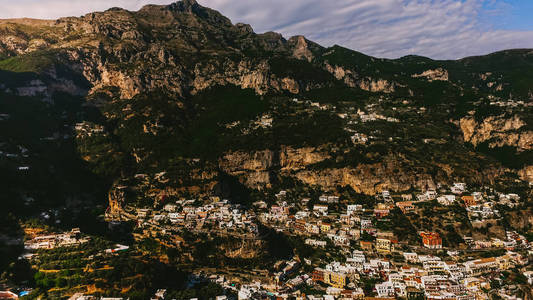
4,117
511,242
16,153
219,214
424,276
320,224
370,117
420,274
265,121
87,129
335,227
314,104
511,103
360,138
480,206
316,223
51,241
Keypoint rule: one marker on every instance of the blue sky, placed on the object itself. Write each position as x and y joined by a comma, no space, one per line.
508,14
441,29
515,14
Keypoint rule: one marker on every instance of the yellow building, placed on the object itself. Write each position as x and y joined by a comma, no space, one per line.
325,227
384,246
497,244
337,280
505,262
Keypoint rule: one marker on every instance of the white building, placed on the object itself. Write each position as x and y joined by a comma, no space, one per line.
385,290
446,200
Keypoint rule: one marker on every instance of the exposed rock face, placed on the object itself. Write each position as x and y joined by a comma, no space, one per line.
349,77
379,85
498,131
526,174
292,159
253,169
301,48
433,75
13,44
258,169
366,179
183,48
136,51
246,74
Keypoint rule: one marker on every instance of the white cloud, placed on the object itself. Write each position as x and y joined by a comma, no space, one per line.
385,28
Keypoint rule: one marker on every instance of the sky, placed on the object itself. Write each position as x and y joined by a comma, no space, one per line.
440,29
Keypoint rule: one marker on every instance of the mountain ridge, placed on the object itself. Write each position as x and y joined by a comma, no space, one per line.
184,56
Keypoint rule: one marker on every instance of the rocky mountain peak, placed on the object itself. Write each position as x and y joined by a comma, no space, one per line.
244,28
184,6
303,48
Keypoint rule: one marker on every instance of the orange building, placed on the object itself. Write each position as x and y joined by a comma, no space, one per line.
405,206
366,245
318,275
431,240
300,225
469,200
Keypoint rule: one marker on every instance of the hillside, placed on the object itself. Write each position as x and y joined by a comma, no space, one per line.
176,102
180,89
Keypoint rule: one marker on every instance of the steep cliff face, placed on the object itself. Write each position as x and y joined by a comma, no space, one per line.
303,48
183,48
293,159
352,79
366,179
379,85
253,169
259,169
247,74
349,77
499,131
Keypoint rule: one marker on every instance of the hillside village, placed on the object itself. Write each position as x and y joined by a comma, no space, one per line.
168,153
361,259
441,242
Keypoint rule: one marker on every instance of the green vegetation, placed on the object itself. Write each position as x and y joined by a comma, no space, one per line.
300,70
33,62
128,274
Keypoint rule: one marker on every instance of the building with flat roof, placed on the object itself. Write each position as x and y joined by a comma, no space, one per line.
431,240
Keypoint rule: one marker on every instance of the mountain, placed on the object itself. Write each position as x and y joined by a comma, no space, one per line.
181,89
176,101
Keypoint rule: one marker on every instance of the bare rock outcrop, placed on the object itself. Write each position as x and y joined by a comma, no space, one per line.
301,48
366,179
377,85
349,77
292,159
499,131
252,169
526,174
434,75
